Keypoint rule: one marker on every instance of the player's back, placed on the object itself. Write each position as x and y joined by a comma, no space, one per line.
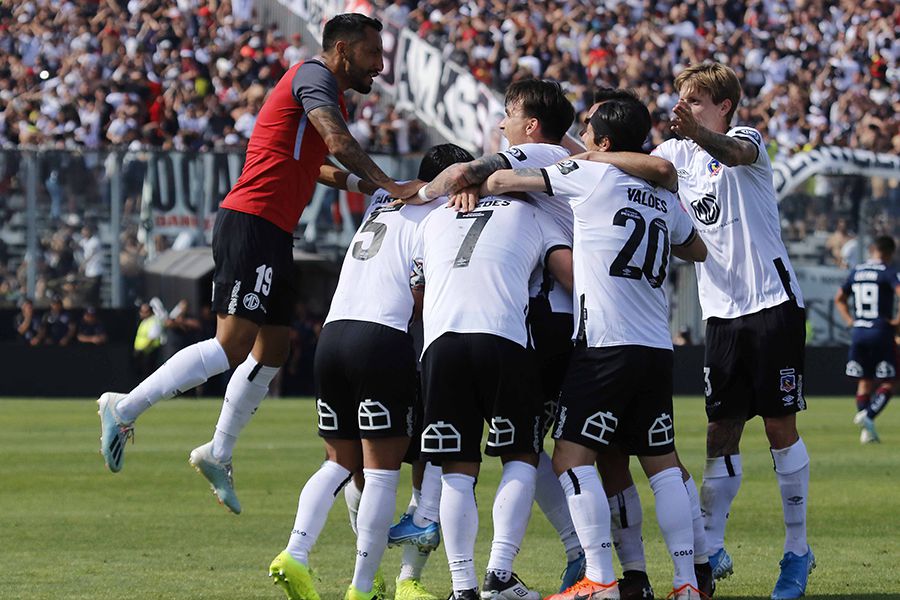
375,276
872,285
477,266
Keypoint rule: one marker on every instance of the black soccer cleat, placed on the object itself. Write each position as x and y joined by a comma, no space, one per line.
635,585
464,595
512,589
706,583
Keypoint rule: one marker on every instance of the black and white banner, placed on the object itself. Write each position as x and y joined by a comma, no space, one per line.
832,160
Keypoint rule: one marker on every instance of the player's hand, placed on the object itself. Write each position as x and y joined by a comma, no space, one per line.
464,200
683,121
405,190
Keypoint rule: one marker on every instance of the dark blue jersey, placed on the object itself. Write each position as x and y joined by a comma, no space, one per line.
872,286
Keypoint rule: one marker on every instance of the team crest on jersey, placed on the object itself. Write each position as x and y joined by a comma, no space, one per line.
517,154
713,167
566,166
788,380
706,209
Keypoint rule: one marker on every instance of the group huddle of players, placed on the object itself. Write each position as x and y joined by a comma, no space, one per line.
538,274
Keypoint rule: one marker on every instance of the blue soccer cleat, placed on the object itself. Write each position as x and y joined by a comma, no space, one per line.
721,563
114,432
218,474
574,572
407,532
795,571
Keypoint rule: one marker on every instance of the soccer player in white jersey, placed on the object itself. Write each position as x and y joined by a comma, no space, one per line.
755,333
365,372
476,367
624,230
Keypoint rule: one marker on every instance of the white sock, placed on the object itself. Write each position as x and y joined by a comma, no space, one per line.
187,369
792,470
458,507
673,513
512,510
590,513
246,389
376,509
315,502
412,563
552,501
721,481
701,551
428,509
414,501
626,519
352,495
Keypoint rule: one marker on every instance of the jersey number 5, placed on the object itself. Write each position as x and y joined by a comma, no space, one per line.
621,265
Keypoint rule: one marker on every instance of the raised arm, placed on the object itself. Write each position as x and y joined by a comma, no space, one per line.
462,175
329,122
515,180
730,151
650,168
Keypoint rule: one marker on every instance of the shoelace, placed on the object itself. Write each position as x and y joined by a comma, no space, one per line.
126,432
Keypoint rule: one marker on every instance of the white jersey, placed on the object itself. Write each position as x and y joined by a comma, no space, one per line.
624,227
735,210
525,156
477,265
375,277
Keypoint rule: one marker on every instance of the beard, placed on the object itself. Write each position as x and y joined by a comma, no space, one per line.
361,81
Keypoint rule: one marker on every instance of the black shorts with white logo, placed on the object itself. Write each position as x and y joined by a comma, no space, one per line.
618,395
551,334
754,364
365,378
254,275
473,378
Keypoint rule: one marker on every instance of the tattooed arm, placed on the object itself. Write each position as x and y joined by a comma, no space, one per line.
462,175
333,176
730,151
652,168
329,122
518,180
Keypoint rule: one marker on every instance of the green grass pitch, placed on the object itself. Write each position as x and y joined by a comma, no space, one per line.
69,529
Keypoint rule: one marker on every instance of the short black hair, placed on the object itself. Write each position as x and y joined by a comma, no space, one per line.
544,100
625,121
604,94
885,245
439,157
349,27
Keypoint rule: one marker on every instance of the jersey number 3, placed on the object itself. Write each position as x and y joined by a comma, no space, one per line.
621,265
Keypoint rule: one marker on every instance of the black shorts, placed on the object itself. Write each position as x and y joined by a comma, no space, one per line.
620,395
473,378
414,449
254,277
873,354
754,364
551,334
365,377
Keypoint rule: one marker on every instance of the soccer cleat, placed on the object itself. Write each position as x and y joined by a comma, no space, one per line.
378,585
407,532
687,592
635,585
795,571
721,563
867,433
463,594
355,594
511,589
585,589
218,474
114,433
293,576
706,583
412,589
574,572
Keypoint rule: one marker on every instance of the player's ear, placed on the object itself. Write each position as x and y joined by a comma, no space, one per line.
725,106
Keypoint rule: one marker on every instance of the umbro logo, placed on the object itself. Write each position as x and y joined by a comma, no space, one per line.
795,500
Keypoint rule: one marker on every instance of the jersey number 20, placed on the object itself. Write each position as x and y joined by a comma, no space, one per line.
621,265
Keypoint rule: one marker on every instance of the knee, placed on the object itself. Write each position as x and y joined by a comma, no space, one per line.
723,437
236,347
781,432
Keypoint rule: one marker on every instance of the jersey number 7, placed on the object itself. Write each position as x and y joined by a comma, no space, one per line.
464,255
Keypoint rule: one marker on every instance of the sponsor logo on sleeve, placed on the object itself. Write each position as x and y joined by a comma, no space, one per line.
566,166
517,153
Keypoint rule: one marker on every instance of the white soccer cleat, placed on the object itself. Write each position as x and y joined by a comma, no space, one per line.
113,431
218,474
867,434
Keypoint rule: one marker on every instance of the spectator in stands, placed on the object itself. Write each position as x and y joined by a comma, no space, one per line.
27,324
92,262
147,341
90,329
182,329
57,326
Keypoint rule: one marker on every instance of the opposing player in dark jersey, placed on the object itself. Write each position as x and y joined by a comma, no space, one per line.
756,322
873,353
365,371
301,121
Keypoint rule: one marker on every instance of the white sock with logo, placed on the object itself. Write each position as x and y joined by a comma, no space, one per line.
673,513
376,508
721,482
792,471
511,512
552,501
626,519
458,507
246,389
590,513
315,502
352,496
428,508
187,369
701,550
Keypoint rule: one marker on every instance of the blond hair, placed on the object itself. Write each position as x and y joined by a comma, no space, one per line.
716,79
